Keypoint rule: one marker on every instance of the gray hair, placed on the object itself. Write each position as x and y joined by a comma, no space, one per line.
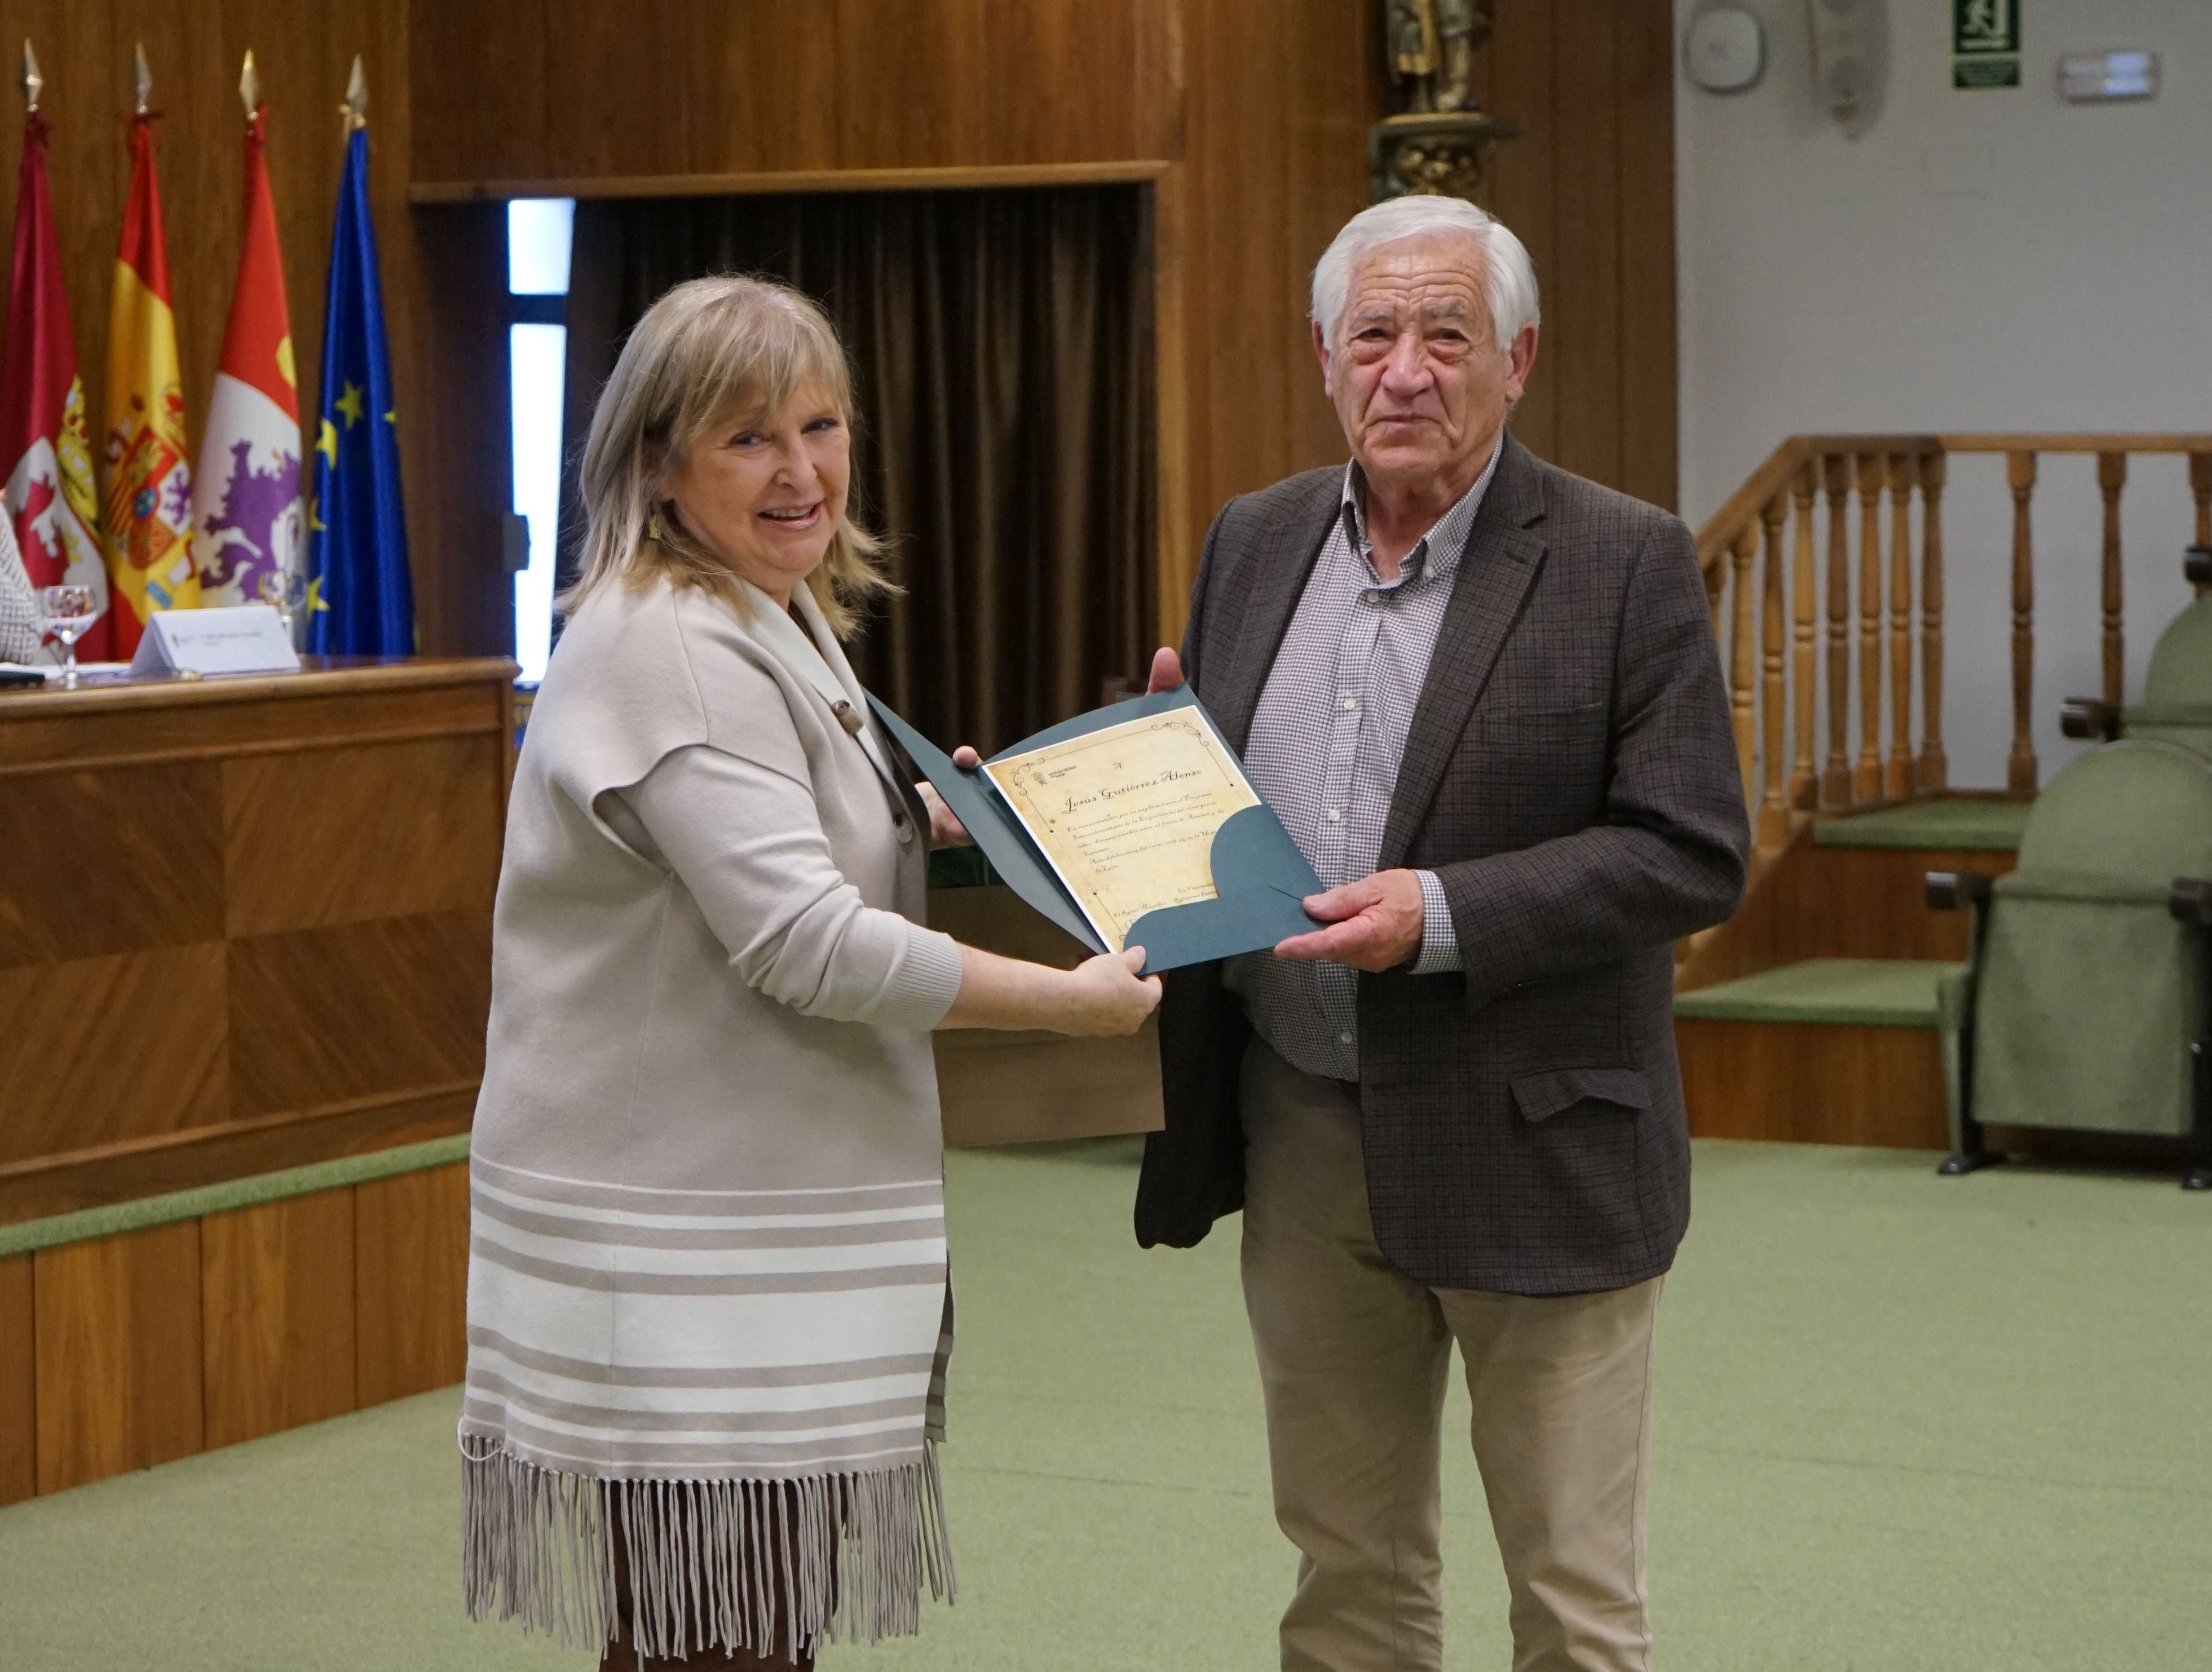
1511,276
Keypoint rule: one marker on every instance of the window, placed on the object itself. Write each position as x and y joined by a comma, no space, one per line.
538,236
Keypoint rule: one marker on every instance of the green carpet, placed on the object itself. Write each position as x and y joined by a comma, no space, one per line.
1905,1425
1839,992
1951,822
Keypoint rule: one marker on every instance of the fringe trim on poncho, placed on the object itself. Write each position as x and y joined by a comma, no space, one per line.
713,1565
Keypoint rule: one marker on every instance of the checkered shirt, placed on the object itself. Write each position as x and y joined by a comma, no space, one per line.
21,629
1326,742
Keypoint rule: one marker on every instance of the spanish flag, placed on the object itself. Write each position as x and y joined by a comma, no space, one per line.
147,515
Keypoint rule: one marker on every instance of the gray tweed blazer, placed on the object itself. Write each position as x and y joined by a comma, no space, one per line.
1572,778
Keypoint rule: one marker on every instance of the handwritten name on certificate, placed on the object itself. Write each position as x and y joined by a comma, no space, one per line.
1126,815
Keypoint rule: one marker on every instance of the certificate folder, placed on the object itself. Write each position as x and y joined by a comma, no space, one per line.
1258,876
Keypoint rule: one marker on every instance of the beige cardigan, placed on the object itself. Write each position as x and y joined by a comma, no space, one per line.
708,1244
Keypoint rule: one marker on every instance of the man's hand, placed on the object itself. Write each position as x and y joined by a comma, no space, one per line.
1374,924
1167,671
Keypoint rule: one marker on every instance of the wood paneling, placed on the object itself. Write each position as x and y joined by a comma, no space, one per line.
278,1295
154,1166
1836,902
419,832
107,862
118,1341
103,1049
1801,1083
362,1009
341,827
19,1433
412,1272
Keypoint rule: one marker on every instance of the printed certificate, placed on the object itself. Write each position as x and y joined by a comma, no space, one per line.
1126,815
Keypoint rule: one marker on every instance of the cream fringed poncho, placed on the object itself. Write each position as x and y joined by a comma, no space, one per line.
708,1305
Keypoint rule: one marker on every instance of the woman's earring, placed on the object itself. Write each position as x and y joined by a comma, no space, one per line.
653,527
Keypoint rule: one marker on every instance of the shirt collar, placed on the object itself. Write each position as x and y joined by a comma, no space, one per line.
1437,554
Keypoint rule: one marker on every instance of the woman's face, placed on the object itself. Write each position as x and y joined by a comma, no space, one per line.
765,495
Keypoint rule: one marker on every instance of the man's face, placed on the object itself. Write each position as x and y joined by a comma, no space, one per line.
1420,388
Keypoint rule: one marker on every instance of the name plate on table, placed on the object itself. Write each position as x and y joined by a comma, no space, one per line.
239,638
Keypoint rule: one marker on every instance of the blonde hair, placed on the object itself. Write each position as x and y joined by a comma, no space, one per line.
708,349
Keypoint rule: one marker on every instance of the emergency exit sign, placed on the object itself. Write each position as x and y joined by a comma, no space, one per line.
1985,42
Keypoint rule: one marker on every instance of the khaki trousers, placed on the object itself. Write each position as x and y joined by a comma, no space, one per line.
1352,1359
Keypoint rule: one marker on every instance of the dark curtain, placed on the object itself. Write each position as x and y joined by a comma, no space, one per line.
1001,349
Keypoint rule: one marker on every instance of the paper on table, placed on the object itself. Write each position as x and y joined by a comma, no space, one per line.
1126,815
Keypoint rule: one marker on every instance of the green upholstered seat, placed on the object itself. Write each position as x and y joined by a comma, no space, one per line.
2177,705
2082,991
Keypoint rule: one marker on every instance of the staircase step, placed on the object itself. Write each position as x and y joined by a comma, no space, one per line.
1955,824
1833,992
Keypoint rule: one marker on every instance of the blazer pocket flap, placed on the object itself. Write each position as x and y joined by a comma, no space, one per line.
1540,1096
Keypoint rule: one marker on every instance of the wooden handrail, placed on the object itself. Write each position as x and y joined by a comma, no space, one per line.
1768,614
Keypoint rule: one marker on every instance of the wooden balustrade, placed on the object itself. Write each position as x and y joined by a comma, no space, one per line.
1777,675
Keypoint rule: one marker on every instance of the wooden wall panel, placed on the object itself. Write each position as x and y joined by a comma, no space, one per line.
19,1433
1795,1083
1644,60
756,103
419,833
1522,62
103,1049
359,1010
412,1272
120,860
1583,287
277,1292
117,1335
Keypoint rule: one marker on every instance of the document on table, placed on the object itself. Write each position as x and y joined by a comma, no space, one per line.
1126,815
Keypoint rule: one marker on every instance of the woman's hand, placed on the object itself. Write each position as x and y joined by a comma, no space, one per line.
1108,995
945,830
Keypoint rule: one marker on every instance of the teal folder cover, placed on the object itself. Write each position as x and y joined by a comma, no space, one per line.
1259,877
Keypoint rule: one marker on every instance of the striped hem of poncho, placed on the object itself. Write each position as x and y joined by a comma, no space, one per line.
771,1471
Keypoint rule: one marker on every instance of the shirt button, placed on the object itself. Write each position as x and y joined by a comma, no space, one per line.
1351,702
1335,815
1344,1038
1372,598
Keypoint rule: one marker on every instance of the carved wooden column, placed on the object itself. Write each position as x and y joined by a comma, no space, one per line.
1715,579
1804,788
2020,766
1836,777
1935,771
1897,776
1773,829
1740,655
1866,777
2112,476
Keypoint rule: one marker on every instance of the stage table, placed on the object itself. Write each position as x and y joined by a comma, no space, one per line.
244,923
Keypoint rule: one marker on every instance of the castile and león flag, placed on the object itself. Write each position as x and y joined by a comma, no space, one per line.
45,435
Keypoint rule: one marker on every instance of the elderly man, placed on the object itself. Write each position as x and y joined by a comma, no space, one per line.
1483,695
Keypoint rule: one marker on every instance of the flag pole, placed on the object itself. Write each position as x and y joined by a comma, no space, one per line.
145,83
33,81
249,87
355,108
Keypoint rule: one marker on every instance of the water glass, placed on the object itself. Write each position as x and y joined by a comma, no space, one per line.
69,616
285,590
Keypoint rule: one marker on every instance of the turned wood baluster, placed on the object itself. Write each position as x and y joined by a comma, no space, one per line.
1804,788
1740,653
1935,771
2020,766
2112,476
1836,777
2200,485
1773,816
1897,776
1866,777
1715,579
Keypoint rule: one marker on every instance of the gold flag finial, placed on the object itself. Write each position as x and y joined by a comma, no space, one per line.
33,81
355,108
145,82
249,86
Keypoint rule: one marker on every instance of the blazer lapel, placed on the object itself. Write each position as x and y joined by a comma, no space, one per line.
1496,570
782,637
1259,608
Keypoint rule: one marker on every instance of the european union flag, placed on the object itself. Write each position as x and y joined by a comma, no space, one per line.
360,602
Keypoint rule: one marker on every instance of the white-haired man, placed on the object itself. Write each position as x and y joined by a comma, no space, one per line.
1483,695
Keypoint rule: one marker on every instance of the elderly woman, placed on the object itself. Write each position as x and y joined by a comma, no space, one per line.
707,1307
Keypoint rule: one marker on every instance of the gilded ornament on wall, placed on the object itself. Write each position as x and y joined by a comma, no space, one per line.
1436,139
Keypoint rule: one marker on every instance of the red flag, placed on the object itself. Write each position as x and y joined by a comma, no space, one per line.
45,439
246,495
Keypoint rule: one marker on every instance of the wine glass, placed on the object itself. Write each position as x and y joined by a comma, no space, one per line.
69,616
285,590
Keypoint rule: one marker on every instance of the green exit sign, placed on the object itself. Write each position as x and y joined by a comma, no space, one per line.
1985,42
